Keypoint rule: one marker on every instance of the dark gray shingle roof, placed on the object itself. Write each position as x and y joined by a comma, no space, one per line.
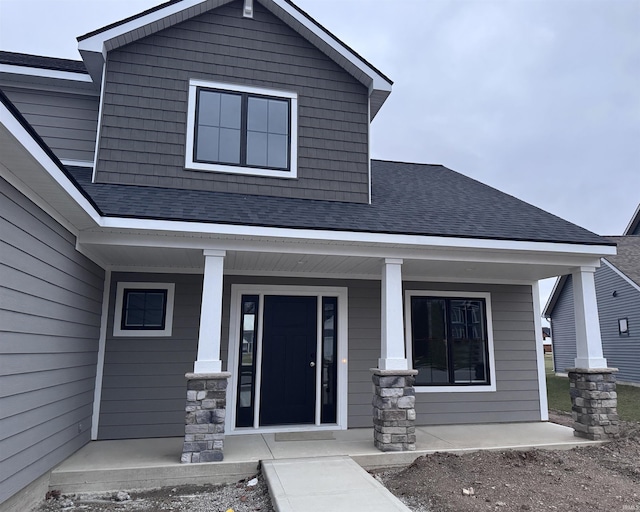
627,260
37,61
414,199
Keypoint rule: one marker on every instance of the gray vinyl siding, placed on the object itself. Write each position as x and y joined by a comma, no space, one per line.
143,130
143,384
563,329
622,352
66,122
517,391
50,307
144,387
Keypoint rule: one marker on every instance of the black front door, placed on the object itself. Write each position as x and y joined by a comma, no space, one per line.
289,344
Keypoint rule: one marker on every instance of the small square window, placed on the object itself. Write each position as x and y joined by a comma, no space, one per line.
623,326
144,309
242,130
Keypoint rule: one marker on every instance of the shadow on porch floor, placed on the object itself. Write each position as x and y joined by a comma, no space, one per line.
149,463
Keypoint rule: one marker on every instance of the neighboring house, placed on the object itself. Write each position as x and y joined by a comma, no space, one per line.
197,195
546,340
618,292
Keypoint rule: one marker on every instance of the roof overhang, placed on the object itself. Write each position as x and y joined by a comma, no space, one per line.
633,223
94,46
116,242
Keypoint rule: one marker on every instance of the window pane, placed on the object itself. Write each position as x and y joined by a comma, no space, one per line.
209,108
247,361
134,318
207,147
143,309
230,111
229,146
257,115
329,360
153,317
279,117
277,151
256,148
469,341
429,340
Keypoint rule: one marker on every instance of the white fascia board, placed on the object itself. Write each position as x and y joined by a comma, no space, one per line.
358,237
635,217
45,73
552,296
45,161
379,82
96,43
621,274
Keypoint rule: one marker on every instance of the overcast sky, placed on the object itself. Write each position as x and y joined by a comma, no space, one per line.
539,98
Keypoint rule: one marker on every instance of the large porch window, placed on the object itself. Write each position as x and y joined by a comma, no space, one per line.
450,340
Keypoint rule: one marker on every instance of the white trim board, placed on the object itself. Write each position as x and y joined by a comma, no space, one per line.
97,44
621,274
237,290
542,378
148,333
45,73
481,388
102,343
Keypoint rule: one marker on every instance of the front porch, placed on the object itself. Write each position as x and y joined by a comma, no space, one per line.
150,463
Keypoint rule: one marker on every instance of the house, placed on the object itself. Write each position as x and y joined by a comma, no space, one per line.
191,221
617,284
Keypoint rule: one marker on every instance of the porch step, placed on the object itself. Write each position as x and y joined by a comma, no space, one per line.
326,483
104,466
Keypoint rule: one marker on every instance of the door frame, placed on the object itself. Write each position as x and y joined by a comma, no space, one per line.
237,291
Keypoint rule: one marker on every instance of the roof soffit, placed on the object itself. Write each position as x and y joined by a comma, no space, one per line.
94,46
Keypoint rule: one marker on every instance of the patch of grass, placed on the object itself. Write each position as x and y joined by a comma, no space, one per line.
628,402
560,400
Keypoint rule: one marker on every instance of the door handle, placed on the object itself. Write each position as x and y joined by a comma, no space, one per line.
312,364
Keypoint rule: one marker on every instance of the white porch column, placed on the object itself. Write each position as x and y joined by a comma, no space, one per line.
588,340
393,347
210,314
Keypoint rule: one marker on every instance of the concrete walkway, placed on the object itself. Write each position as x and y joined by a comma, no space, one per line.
322,484
148,463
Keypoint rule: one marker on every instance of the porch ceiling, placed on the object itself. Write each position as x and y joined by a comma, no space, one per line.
458,266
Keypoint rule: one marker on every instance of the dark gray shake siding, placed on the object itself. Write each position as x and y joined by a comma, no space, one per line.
144,387
66,122
622,352
145,106
50,307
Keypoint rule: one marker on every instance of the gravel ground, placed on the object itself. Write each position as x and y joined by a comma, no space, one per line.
248,495
603,477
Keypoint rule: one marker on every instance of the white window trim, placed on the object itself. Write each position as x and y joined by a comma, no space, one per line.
237,291
168,323
292,172
491,387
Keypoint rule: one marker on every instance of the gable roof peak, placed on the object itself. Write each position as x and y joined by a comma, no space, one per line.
95,45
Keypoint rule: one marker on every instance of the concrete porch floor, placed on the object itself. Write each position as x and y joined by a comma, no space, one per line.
150,463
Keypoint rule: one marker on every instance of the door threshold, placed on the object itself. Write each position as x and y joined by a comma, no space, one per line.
285,429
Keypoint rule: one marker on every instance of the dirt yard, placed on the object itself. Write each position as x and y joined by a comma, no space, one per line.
604,477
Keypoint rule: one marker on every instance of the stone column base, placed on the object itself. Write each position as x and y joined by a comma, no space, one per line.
394,412
594,402
205,414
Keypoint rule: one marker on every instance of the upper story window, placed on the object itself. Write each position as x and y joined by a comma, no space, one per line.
239,129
